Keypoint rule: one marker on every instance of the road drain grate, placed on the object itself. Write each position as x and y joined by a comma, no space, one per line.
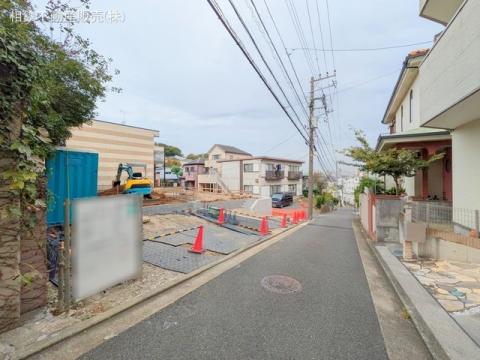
281,284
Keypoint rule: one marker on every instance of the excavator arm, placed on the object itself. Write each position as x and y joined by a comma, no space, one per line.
121,168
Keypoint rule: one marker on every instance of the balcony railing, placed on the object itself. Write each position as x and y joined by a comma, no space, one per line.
294,175
274,175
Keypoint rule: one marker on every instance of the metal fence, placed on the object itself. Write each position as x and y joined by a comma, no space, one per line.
442,216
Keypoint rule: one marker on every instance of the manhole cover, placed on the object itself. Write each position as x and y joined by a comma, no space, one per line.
281,284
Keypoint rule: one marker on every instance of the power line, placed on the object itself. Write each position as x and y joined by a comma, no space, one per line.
286,52
300,34
278,56
280,143
214,5
244,25
366,82
365,49
321,34
313,36
331,37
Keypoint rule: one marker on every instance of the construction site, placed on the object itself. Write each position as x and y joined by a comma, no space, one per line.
178,238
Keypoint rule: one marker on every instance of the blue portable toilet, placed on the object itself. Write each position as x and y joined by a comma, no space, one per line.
71,174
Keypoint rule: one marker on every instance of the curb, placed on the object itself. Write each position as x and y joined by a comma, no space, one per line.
434,345
85,325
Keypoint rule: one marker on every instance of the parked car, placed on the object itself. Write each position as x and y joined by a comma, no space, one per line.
280,200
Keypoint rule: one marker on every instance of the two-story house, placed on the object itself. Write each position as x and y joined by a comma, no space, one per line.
191,171
230,169
404,119
262,175
211,180
450,93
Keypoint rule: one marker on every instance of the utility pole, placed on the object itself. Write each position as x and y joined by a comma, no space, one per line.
312,125
311,147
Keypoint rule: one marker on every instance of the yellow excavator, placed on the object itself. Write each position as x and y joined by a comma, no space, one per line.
136,183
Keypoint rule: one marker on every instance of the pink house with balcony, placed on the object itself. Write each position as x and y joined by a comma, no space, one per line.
191,170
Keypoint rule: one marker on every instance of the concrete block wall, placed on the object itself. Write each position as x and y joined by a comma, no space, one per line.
387,214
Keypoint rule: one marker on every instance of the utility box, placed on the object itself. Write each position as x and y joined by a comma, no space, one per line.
71,174
416,232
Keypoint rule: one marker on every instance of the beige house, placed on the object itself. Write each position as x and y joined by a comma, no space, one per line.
449,85
210,179
115,143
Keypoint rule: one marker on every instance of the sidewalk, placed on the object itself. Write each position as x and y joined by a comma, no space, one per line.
444,337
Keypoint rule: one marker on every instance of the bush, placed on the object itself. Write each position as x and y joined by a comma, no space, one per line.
325,199
316,192
393,191
369,183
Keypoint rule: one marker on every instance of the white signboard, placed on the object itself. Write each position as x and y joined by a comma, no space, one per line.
106,243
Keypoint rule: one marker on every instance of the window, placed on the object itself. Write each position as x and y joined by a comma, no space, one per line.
215,157
248,167
270,167
410,105
294,168
401,119
292,188
248,188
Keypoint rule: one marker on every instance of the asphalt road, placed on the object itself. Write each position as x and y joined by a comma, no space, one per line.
234,317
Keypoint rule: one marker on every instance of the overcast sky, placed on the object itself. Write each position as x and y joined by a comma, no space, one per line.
182,74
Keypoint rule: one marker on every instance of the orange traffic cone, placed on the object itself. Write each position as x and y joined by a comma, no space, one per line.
197,247
284,221
221,216
295,217
263,226
304,216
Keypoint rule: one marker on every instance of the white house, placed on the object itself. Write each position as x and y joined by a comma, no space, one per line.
348,186
261,175
404,120
449,85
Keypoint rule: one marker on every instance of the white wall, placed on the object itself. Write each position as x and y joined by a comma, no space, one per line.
466,166
231,174
414,122
252,178
452,68
409,185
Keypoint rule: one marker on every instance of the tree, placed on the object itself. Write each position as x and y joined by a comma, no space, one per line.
177,170
319,182
172,162
367,182
393,162
46,87
171,150
196,156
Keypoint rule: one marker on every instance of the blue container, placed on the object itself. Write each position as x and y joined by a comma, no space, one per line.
71,174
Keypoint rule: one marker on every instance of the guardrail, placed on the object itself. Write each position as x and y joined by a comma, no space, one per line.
294,175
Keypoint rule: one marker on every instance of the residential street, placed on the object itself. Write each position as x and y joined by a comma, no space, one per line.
234,317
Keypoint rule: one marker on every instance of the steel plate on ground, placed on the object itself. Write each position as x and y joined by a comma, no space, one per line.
175,258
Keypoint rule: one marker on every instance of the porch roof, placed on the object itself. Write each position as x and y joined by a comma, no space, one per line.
420,135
